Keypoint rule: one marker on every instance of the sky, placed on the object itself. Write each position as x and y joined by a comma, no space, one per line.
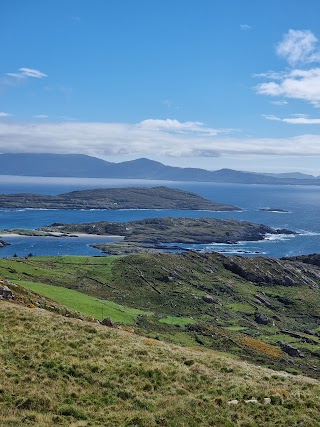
193,83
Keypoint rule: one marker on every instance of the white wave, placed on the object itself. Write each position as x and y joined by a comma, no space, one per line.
275,237
308,233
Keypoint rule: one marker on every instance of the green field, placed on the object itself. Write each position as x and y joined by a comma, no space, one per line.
85,304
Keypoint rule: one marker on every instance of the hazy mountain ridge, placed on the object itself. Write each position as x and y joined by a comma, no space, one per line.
83,166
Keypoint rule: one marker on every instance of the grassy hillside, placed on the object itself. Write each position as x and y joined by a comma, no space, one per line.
67,372
262,309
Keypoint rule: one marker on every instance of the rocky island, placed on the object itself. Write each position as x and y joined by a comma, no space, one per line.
114,199
153,232
275,210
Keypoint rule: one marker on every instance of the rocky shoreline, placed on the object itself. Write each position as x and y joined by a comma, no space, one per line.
152,235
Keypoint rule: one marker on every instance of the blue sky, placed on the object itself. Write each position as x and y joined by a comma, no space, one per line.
205,83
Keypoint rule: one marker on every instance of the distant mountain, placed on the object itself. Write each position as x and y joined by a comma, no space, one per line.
83,166
295,175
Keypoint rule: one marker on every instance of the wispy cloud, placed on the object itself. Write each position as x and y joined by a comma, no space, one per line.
279,102
299,47
27,72
19,77
3,114
153,137
76,19
174,126
296,119
40,116
245,27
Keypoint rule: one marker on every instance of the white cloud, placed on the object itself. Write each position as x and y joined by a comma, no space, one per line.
174,126
29,72
40,116
296,84
299,47
16,75
3,114
245,27
297,119
19,78
279,102
149,138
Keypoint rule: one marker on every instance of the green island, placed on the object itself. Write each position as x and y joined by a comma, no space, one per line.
150,235
114,199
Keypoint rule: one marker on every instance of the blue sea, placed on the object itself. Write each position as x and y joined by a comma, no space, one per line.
301,202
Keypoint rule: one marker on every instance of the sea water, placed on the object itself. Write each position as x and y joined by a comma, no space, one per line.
302,204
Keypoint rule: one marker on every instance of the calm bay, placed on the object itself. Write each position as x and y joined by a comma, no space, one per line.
302,204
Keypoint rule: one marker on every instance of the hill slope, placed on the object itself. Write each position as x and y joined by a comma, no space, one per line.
66,372
262,309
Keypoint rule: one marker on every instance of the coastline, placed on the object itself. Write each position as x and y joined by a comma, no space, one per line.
57,234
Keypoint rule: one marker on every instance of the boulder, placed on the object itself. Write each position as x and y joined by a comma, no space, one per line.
5,292
108,322
210,300
289,349
261,318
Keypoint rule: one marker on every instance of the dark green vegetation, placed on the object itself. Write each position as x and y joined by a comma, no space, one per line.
262,309
65,372
78,165
115,198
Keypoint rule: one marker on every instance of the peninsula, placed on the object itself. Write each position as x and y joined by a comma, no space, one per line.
115,198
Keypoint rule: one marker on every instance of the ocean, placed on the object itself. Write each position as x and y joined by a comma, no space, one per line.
301,202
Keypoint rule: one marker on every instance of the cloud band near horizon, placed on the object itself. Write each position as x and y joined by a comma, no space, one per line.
169,138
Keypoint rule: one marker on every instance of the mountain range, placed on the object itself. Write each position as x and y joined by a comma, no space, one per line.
83,166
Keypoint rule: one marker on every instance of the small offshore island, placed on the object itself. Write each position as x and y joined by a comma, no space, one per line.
275,210
149,235
115,199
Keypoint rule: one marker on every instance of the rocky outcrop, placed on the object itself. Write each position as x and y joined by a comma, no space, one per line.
5,292
261,318
107,322
289,349
271,272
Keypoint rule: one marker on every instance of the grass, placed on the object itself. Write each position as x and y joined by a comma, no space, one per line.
178,288
86,304
179,321
235,328
66,372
